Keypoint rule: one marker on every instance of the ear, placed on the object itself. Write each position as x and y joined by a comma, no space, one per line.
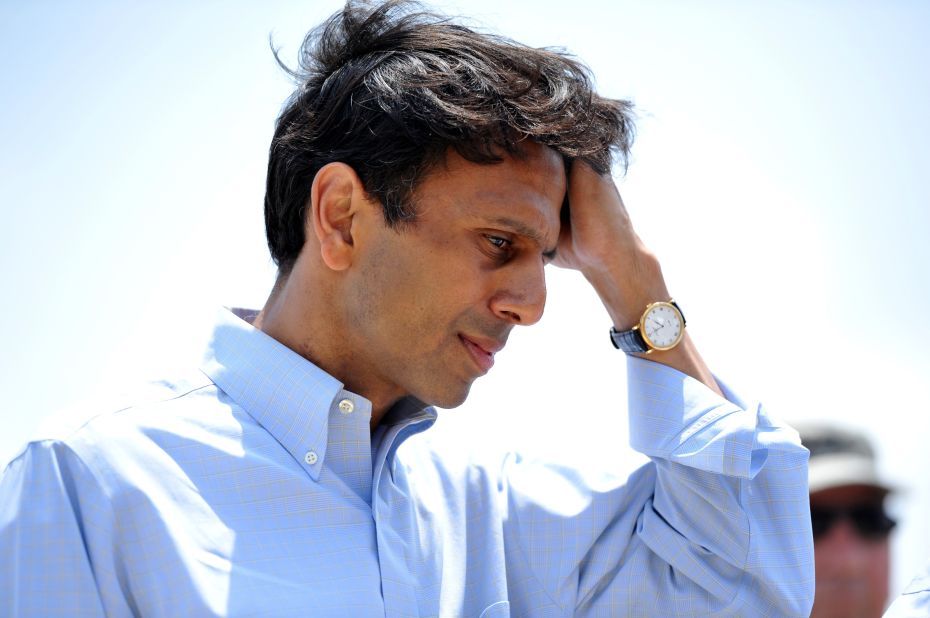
335,198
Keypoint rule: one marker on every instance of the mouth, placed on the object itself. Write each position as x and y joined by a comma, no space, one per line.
482,352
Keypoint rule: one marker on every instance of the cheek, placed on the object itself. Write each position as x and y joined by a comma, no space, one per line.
396,301
418,294
878,560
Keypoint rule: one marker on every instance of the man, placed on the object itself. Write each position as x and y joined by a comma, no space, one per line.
850,525
420,178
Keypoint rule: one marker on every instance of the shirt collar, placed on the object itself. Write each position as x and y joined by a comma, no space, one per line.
408,410
288,395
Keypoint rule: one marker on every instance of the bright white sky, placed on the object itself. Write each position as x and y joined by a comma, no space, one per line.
779,173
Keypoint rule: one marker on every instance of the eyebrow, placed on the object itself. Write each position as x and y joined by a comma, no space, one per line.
523,229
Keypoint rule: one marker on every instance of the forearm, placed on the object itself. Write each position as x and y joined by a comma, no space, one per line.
600,242
625,296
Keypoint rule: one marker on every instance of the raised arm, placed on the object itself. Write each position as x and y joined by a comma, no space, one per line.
718,523
598,239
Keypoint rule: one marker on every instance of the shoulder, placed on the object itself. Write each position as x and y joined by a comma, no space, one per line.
157,449
125,417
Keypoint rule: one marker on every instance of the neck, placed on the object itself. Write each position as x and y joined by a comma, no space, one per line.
302,314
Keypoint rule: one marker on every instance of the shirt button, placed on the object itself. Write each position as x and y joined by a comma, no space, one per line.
346,406
311,457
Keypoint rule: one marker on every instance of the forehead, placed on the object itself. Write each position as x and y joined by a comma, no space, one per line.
526,190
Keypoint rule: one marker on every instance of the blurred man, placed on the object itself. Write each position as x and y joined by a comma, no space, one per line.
849,522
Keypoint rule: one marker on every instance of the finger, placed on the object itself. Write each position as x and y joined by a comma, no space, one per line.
595,191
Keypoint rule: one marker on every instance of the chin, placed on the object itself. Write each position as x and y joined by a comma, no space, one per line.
450,398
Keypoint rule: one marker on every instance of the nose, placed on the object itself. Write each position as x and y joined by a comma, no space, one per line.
847,549
520,297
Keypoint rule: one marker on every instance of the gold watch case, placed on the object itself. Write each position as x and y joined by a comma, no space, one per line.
661,308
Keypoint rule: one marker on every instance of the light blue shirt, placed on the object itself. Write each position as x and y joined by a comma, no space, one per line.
254,487
914,602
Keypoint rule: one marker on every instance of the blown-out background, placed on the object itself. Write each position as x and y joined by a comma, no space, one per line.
780,173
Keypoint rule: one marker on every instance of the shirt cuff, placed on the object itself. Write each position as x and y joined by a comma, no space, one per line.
679,419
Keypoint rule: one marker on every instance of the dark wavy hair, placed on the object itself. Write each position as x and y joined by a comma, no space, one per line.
388,88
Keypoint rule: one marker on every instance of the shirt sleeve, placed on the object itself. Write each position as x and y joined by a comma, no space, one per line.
45,569
718,523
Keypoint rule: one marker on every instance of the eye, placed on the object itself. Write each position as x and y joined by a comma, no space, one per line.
498,242
497,247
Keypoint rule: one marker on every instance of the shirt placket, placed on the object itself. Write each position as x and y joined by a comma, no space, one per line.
398,545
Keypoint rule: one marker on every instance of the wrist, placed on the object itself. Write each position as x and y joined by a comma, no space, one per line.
626,290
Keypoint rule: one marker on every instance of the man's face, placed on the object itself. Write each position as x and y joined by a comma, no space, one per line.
851,569
430,303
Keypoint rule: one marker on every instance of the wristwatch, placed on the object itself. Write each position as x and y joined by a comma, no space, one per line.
660,328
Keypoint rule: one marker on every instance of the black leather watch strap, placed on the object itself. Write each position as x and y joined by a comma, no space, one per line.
684,321
629,341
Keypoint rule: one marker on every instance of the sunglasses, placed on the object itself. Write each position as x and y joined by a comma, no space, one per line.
869,520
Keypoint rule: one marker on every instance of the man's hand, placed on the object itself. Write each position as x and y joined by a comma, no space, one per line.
597,238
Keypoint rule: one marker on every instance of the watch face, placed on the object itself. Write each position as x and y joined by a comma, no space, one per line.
661,326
